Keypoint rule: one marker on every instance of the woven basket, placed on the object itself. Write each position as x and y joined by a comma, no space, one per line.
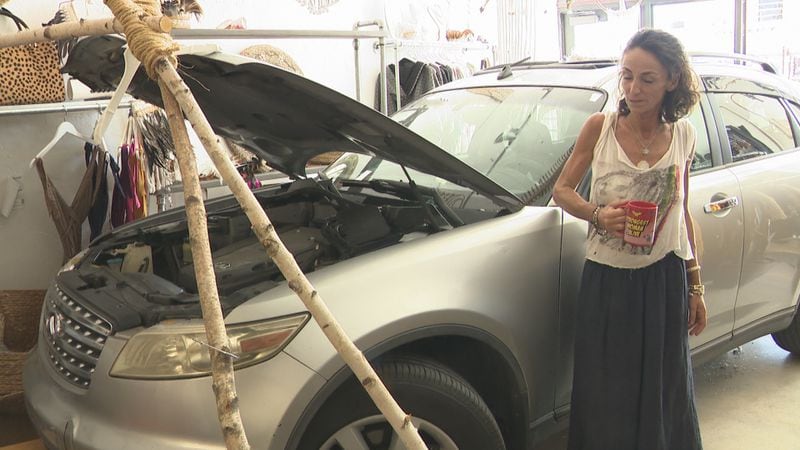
324,159
20,310
272,55
11,372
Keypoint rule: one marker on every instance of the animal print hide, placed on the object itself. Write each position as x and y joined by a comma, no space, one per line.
30,74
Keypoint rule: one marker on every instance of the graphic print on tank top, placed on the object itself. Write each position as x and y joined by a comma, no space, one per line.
659,186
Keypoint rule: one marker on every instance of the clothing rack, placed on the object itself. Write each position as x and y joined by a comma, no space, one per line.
398,45
356,34
66,107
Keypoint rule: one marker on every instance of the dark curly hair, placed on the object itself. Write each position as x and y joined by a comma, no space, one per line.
668,50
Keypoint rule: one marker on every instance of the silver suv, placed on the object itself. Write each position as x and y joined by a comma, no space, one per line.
435,243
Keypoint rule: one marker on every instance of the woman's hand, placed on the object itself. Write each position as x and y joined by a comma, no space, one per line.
697,314
612,218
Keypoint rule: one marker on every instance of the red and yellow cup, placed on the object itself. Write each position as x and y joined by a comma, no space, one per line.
640,223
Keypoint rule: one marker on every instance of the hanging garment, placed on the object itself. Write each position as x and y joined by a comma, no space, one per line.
141,183
119,199
69,218
129,178
438,75
125,201
248,173
99,209
416,78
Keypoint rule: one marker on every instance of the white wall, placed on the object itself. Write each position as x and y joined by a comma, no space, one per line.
31,250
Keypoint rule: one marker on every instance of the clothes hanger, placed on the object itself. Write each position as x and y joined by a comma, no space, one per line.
66,127
131,65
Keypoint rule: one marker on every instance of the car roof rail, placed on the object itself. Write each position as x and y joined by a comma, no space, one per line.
735,58
527,64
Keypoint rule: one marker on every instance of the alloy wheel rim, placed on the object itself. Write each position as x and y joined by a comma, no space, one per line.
374,433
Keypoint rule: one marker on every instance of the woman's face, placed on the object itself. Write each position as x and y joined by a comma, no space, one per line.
644,81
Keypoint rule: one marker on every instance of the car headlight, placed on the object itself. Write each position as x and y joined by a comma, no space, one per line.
183,353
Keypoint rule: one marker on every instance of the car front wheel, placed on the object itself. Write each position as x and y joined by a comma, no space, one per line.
447,411
789,338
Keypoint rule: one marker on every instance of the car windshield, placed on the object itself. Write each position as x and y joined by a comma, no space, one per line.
517,136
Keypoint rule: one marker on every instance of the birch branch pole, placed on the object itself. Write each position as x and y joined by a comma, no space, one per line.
222,377
80,28
137,20
145,30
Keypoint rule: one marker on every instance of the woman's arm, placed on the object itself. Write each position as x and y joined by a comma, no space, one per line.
564,194
697,306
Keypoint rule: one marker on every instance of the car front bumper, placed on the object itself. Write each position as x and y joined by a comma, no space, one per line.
163,414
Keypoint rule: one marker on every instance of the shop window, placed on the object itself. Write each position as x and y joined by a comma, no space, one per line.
757,125
770,10
597,28
693,22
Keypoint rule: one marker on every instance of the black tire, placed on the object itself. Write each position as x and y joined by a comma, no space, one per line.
441,399
789,338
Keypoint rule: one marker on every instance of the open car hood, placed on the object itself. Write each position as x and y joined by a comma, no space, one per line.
284,118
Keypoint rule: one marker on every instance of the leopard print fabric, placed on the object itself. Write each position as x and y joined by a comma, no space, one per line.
30,74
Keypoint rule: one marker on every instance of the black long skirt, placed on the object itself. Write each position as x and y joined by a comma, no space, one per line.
632,384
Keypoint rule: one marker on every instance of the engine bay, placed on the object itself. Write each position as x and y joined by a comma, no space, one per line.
149,271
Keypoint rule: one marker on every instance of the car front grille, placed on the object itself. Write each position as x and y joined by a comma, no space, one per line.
75,337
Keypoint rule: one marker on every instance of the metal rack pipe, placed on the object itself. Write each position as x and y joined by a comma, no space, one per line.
66,107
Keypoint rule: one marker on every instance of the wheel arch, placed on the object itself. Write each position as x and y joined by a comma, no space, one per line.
470,352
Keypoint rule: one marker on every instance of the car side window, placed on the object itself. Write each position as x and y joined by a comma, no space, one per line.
702,152
757,125
795,109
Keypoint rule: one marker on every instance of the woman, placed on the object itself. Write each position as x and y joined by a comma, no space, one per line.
632,386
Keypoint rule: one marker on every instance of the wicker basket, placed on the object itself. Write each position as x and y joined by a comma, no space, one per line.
324,159
20,310
272,55
11,372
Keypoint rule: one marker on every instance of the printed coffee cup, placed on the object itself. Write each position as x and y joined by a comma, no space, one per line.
640,223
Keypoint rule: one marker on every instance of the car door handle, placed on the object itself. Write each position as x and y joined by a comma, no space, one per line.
721,205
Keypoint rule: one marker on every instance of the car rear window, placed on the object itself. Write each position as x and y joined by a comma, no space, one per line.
756,124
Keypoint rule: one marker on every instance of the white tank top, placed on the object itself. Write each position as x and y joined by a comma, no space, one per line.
615,177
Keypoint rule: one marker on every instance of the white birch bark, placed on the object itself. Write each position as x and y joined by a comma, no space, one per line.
223,382
69,30
223,385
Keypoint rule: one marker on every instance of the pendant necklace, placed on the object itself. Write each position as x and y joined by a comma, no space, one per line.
644,148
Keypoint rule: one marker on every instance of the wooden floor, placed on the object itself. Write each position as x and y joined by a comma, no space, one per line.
29,445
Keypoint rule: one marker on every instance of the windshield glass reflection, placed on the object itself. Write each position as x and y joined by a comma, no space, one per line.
519,137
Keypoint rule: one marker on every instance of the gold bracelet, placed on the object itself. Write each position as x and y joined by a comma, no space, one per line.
595,221
694,268
698,289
